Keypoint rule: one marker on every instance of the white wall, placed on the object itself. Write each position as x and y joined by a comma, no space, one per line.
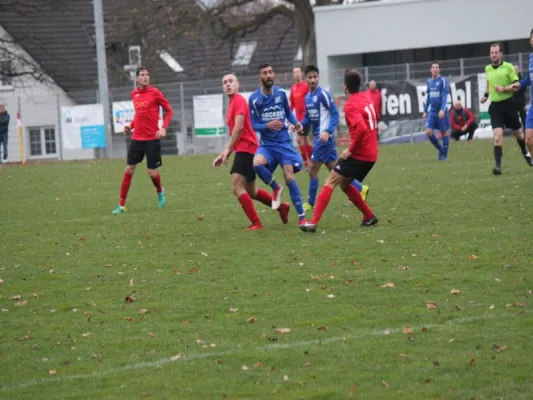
39,102
405,24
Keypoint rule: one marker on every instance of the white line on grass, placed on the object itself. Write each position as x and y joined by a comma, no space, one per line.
198,356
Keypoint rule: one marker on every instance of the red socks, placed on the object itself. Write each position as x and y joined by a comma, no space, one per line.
355,197
322,202
309,149
264,197
248,207
303,152
124,188
157,182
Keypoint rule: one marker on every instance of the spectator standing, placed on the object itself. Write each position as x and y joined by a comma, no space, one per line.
4,131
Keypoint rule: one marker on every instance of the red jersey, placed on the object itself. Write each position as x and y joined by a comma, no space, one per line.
375,96
297,99
146,103
362,124
247,141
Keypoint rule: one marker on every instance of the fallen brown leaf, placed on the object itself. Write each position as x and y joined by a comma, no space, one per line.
283,330
1,281
431,305
16,297
402,355
21,303
258,364
330,296
86,334
351,393
53,372
455,291
143,311
472,361
193,271
387,285
131,282
427,380
499,349
185,322
245,368
516,304
251,320
472,257
323,328
387,331
130,299
402,267
36,295
306,365
128,319
91,304
233,310
200,218
108,265
424,329
385,384
408,329
436,363
152,335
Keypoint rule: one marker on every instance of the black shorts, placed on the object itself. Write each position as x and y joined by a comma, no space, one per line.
504,114
243,164
306,131
149,148
353,169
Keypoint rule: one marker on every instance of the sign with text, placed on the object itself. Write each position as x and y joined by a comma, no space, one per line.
123,114
82,127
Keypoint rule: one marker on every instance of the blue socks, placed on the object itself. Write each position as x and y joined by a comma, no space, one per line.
296,198
435,142
313,188
445,144
266,176
358,185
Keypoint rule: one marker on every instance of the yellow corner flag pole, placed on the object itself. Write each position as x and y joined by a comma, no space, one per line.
21,142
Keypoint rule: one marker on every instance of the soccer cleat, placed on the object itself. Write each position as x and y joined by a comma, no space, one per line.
308,207
364,192
256,226
527,157
308,227
370,221
276,197
119,209
161,199
444,158
302,222
439,155
496,170
283,210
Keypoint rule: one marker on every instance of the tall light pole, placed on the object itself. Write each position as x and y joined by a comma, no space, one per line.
103,86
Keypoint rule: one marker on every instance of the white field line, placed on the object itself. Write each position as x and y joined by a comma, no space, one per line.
198,356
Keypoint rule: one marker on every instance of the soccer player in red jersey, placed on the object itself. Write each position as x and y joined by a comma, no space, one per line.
358,159
244,142
297,102
146,134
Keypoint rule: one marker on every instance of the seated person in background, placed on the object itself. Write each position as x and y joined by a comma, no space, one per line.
462,121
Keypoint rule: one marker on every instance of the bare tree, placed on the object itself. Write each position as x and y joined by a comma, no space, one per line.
231,19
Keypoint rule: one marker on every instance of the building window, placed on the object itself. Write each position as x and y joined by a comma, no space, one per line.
244,54
42,142
6,68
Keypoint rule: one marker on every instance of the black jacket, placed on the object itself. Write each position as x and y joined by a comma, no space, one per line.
4,123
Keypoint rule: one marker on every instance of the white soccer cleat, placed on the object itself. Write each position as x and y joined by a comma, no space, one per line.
276,197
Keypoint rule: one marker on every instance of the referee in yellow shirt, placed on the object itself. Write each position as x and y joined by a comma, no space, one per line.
503,114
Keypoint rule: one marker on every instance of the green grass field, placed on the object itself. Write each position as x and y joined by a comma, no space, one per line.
444,226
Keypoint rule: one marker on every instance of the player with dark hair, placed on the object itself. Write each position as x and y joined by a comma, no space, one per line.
321,113
436,111
146,135
269,108
358,159
244,142
297,101
500,77
524,83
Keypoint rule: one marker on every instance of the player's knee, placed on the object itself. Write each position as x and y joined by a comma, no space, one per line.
529,137
258,161
289,177
429,132
152,173
130,169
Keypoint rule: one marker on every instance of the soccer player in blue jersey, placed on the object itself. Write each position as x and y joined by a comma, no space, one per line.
436,111
322,114
524,83
269,110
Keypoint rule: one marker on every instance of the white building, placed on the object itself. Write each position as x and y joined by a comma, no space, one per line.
409,31
39,105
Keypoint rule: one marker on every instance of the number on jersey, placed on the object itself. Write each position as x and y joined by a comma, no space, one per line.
372,119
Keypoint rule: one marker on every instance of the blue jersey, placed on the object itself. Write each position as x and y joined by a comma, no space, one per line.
265,108
436,95
321,112
526,81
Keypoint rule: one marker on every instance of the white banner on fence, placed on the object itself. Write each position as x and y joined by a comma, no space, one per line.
82,127
483,108
123,114
208,115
